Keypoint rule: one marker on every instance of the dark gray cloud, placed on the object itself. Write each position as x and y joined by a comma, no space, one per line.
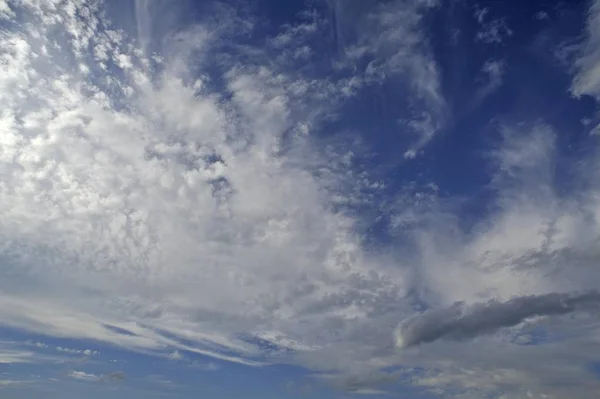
461,322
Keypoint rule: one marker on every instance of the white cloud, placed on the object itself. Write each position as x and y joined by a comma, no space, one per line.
392,41
493,31
5,10
521,246
85,352
10,383
148,208
586,81
12,352
15,356
83,376
494,71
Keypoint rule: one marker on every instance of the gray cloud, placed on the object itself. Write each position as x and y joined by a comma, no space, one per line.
461,322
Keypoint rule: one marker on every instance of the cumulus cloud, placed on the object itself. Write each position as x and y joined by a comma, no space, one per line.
461,322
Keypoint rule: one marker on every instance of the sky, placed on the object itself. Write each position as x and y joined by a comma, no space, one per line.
299,199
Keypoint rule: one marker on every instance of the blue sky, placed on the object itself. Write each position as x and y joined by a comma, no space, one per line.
321,199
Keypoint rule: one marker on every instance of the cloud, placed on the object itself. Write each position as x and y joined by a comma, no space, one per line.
179,199
14,356
541,16
12,352
494,70
587,79
586,65
461,322
532,239
493,31
388,43
492,78
115,375
160,209
11,383
175,355
83,376
86,352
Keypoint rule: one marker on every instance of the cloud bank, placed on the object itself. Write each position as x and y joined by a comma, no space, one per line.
461,322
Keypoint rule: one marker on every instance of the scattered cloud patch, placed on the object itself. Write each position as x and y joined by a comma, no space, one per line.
541,16
85,352
390,44
83,376
175,355
494,70
492,31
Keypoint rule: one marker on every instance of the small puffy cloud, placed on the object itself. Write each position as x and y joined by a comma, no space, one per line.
83,376
85,352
